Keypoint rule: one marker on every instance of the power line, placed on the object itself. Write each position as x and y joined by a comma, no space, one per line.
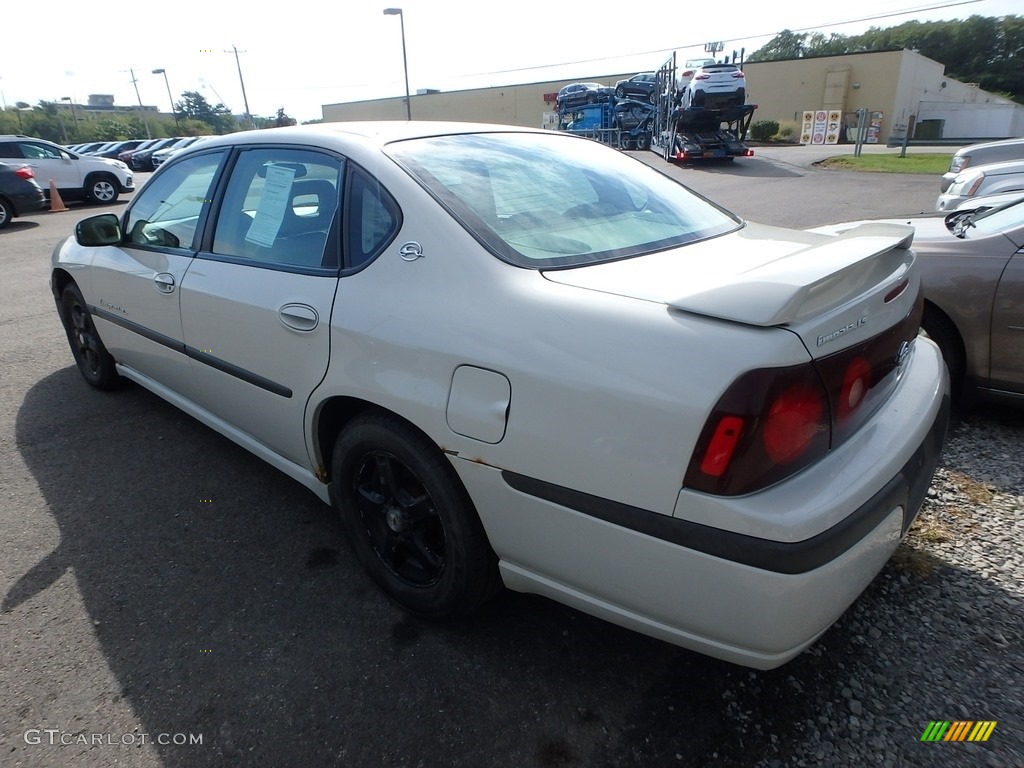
890,14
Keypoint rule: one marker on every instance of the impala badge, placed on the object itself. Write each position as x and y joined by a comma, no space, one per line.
411,251
829,337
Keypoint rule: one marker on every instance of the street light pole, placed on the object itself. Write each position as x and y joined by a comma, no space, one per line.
171,98
405,62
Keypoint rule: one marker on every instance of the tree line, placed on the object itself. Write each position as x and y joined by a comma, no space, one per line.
981,49
193,116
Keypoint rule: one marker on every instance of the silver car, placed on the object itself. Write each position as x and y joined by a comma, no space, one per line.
982,180
513,356
985,153
972,270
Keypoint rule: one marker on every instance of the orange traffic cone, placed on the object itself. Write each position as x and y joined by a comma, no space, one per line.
56,204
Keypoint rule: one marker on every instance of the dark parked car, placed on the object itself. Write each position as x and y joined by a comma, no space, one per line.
142,160
114,151
19,192
972,273
633,119
578,94
639,86
125,156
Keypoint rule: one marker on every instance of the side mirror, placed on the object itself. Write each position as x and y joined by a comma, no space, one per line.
104,229
65,157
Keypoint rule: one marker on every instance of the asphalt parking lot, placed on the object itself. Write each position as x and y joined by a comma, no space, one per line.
166,599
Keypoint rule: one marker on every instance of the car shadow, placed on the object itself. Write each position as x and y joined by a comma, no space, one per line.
226,603
21,224
741,166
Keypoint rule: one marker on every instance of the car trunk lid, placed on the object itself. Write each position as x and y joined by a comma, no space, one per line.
833,291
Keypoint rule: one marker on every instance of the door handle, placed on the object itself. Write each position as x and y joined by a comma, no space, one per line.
299,317
164,282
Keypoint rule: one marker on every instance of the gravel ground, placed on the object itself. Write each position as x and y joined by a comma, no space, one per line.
939,635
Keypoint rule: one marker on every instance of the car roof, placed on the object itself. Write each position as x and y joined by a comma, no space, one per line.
371,132
990,144
1003,167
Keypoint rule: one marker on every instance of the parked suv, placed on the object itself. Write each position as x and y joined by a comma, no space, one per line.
77,177
715,86
639,86
578,94
982,154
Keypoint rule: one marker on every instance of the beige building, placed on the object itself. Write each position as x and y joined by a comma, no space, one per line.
906,87
903,86
508,105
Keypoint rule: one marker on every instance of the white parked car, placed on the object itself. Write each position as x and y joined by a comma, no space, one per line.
991,179
715,86
77,177
514,356
161,155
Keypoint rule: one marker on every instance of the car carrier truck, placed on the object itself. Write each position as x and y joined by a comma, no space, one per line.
713,130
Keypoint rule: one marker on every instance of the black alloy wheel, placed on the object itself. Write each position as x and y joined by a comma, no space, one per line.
400,519
411,523
94,362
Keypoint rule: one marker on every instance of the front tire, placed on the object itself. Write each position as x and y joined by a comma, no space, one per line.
102,189
6,213
411,523
941,330
94,362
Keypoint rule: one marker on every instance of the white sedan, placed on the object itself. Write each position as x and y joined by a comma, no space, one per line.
519,357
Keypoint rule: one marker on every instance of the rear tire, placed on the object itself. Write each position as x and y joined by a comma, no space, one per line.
410,521
6,213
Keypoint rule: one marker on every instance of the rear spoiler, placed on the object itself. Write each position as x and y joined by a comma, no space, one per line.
810,281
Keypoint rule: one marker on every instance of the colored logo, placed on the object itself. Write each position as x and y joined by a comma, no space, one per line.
958,730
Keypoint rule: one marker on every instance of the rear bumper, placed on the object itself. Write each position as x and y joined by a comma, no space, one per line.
28,202
751,590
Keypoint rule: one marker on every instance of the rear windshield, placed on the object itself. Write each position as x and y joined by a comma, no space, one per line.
548,200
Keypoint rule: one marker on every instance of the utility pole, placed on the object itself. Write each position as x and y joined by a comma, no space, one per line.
245,99
142,111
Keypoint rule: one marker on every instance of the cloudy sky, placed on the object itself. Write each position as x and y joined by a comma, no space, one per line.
305,54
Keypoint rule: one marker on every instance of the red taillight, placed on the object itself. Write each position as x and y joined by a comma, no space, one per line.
688,73
723,444
769,424
793,420
856,382
702,77
737,75
748,153
24,172
773,422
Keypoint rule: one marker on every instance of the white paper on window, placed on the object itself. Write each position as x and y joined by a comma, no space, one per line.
277,190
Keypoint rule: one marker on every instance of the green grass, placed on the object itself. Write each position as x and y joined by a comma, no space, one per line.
917,162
